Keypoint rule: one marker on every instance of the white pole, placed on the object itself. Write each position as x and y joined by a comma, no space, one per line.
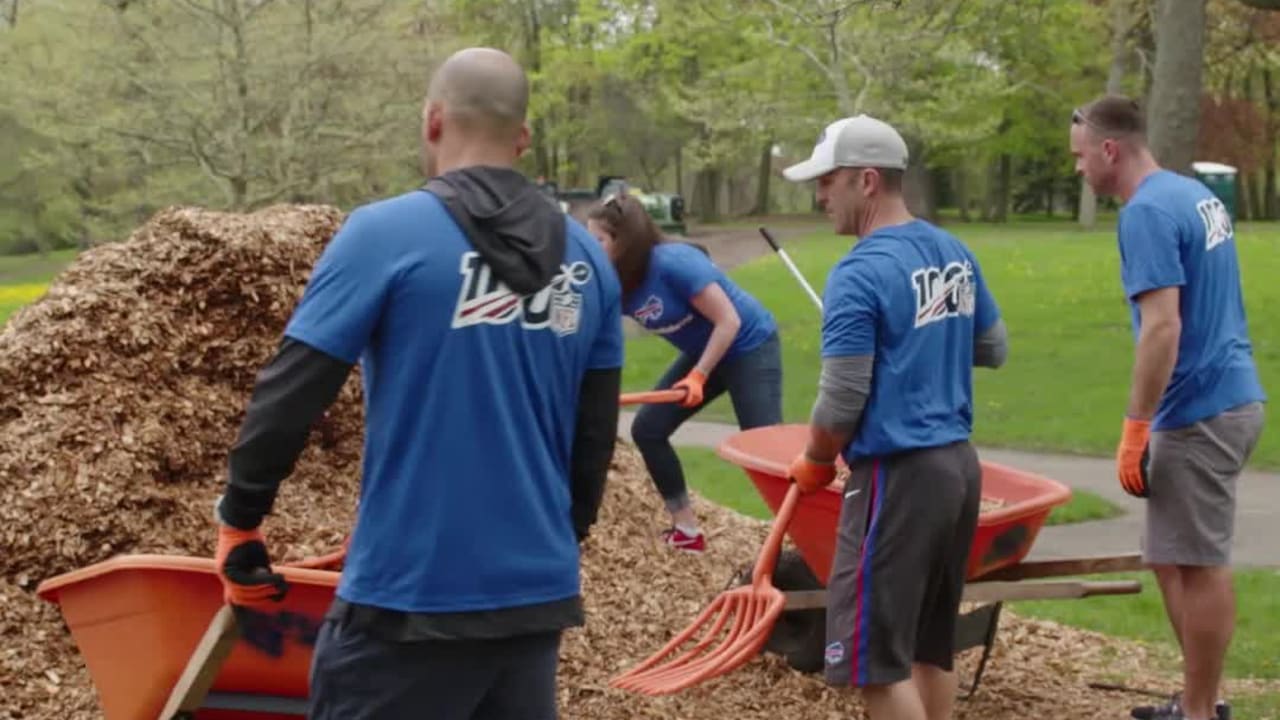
792,267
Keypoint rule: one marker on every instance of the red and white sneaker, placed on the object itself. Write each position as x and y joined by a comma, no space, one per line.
678,539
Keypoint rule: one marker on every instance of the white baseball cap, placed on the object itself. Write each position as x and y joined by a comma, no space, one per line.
858,141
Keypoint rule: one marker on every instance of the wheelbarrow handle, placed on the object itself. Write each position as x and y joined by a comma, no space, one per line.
652,396
328,561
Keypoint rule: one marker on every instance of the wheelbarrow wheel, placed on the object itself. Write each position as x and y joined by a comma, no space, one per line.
799,636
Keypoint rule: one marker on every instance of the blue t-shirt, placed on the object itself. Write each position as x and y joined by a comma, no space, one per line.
912,296
663,303
1175,233
471,396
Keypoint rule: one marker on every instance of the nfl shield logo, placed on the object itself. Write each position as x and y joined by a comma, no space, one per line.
566,312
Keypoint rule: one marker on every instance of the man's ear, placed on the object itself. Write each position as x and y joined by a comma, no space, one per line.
433,124
1111,149
523,140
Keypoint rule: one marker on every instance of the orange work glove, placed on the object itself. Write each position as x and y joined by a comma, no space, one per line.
811,475
692,384
245,569
1131,456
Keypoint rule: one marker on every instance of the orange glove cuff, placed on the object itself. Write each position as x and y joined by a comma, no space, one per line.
1135,432
230,537
811,475
1134,437
692,384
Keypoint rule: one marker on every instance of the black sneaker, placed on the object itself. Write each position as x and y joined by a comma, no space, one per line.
1172,710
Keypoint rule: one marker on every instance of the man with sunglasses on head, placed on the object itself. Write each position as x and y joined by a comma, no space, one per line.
906,317
1195,405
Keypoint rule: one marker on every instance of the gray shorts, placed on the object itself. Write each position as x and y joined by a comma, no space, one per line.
902,546
1192,504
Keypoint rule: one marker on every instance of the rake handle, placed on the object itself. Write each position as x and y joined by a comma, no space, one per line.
773,243
652,396
772,547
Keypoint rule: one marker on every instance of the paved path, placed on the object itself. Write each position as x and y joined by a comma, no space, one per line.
1257,521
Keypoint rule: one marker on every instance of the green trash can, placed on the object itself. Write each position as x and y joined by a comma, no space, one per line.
1221,179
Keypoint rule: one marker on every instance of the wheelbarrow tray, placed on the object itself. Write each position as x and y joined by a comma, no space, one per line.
1003,538
136,620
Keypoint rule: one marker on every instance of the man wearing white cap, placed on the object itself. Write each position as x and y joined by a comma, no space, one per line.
906,317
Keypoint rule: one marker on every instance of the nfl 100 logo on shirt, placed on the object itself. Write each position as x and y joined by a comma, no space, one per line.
486,300
1217,222
944,292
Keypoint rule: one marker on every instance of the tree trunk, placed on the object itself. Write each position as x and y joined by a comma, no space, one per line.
1049,188
766,172
960,185
1244,208
1269,129
993,189
680,171
1255,197
1173,115
533,45
1003,188
706,195
917,184
1121,26
240,70
13,14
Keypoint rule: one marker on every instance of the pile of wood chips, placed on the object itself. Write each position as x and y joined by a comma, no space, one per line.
123,391
124,387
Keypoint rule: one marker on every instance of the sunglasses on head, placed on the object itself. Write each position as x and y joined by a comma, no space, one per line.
1078,118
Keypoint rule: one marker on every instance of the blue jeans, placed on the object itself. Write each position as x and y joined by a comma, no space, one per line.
754,383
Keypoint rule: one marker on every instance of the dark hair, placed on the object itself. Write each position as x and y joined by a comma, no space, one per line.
890,178
1112,115
635,233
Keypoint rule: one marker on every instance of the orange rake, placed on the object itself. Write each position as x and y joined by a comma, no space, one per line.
652,396
744,617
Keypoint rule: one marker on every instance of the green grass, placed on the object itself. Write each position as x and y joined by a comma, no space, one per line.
721,482
23,278
726,484
1255,648
1263,706
1083,507
35,268
1066,382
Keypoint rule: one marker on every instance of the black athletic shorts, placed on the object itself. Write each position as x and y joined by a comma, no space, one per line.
902,545
357,675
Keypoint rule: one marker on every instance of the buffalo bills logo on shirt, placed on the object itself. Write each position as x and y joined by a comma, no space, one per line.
486,300
651,310
943,293
1217,222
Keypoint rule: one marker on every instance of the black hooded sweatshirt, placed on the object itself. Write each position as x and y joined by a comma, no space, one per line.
522,238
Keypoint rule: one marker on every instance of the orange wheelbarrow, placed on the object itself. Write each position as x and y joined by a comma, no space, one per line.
142,625
1017,504
142,621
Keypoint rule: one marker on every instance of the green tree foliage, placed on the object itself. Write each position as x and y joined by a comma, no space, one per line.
111,109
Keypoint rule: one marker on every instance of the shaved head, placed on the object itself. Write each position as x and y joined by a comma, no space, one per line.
484,88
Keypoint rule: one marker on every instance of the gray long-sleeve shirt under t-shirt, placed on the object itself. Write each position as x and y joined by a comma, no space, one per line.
845,382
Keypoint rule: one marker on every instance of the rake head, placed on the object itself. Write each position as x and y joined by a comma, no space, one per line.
728,633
